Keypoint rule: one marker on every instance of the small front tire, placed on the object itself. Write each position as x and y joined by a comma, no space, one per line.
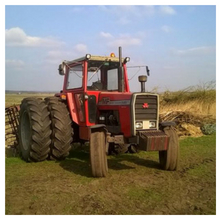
169,159
98,156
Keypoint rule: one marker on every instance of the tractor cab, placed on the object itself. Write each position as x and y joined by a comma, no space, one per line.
95,73
90,84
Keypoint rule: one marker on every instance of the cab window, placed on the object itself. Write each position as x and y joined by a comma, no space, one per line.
75,77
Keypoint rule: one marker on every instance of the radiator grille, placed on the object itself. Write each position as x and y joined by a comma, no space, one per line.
149,113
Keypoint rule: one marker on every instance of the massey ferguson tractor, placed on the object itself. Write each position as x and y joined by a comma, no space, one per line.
96,106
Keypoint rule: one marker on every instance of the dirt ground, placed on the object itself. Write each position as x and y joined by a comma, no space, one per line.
135,184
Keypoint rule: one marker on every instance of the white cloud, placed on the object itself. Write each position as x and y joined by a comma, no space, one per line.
131,11
130,14
125,10
54,53
124,13
195,51
105,35
81,48
15,64
18,38
166,28
167,10
124,41
127,14
55,57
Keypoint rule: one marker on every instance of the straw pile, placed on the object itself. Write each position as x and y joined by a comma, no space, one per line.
187,124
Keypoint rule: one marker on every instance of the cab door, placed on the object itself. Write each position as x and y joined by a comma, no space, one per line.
74,89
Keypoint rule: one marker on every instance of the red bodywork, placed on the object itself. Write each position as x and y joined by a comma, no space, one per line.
78,104
122,107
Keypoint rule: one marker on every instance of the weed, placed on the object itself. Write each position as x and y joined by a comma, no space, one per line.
202,93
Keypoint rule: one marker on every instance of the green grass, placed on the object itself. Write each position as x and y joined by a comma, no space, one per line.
199,146
135,184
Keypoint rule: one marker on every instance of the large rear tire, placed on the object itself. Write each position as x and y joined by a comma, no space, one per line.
169,160
98,153
61,125
34,130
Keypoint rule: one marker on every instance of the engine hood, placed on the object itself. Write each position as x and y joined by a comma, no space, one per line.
114,98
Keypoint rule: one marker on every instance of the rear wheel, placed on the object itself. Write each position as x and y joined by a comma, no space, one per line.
34,130
61,125
169,159
98,156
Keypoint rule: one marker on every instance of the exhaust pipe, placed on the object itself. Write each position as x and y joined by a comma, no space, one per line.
120,72
142,79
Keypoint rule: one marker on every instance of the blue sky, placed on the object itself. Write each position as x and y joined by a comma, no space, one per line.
178,43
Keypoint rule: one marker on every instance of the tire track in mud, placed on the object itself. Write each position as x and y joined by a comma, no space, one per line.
191,193
193,166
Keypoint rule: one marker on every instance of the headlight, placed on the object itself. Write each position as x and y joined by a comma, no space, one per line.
88,56
86,97
152,124
139,125
101,118
127,59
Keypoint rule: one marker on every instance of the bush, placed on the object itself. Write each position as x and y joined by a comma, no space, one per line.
204,93
208,129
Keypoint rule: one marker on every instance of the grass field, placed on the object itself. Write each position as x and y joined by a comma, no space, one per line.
15,98
135,184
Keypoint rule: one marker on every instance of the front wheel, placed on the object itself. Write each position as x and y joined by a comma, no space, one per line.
169,159
98,156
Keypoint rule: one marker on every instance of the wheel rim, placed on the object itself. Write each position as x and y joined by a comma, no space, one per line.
25,130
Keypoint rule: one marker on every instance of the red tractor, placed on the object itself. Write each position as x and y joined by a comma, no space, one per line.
96,105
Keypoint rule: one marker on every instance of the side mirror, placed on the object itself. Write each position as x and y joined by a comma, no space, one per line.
62,69
148,71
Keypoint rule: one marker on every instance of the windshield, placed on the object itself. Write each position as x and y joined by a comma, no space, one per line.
102,76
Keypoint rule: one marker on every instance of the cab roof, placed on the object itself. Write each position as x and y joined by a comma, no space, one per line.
94,58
